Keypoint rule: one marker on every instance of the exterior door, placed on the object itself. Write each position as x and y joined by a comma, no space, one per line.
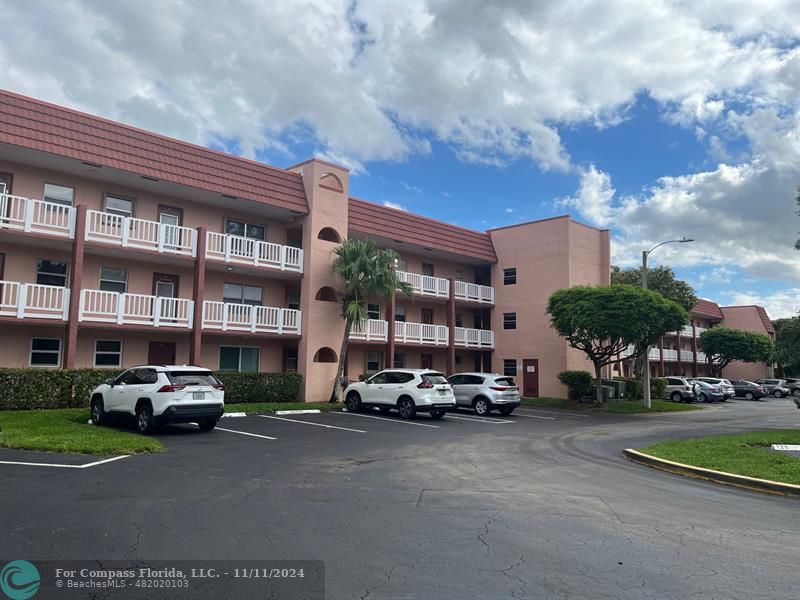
161,353
427,316
426,361
530,377
373,391
170,215
166,286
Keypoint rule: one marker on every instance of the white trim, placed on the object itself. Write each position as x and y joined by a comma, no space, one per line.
60,352
94,355
100,280
480,419
384,419
86,466
65,275
310,423
307,411
53,199
246,223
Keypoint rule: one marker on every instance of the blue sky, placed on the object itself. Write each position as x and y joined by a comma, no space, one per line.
654,119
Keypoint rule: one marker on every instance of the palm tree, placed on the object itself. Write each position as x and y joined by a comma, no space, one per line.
366,272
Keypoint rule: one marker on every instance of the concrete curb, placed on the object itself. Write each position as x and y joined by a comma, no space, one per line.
742,481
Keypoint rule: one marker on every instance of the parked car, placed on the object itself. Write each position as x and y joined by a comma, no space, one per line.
707,392
776,387
727,387
157,395
678,389
407,390
793,383
748,389
485,392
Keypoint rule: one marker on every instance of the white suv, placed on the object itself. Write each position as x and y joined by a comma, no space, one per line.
408,390
157,395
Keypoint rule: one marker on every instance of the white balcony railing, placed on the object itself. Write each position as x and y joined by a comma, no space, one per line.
130,232
371,330
474,292
701,357
246,251
31,300
474,338
36,216
420,333
245,317
135,309
425,285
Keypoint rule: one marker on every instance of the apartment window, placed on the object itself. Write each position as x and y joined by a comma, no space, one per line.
510,367
290,362
45,352
235,358
400,313
510,320
51,272
113,280
510,276
426,361
58,194
399,360
293,299
427,269
107,353
373,311
235,293
401,264
459,320
459,360
5,183
374,361
118,205
248,230
459,276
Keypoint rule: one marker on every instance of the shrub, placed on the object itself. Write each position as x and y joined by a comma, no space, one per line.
579,383
22,389
658,388
633,388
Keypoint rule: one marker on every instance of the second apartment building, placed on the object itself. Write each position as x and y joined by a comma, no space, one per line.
120,247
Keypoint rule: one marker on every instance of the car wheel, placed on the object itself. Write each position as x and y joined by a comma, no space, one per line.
437,414
98,412
777,394
207,425
796,392
144,419
353,402
482,406
385,410
506,410
703,397
407,408
676,397
748,396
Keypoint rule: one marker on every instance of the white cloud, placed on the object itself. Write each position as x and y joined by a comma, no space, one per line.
509,210
395,205
780,304
593,199
411,188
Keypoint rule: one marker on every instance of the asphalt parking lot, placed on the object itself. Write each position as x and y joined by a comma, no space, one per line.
535,505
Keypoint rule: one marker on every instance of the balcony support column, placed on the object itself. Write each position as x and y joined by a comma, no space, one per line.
661,355
451,327
680,358
198,296
75,284
694,349
390,310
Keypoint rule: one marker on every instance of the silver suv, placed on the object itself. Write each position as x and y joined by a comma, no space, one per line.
679,389
485,391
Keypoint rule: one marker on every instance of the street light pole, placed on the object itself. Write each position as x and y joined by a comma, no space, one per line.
646,372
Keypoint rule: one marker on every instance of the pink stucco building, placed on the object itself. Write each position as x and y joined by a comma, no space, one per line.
120,246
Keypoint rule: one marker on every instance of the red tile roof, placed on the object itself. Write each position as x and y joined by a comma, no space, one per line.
49,128
707,309
374,219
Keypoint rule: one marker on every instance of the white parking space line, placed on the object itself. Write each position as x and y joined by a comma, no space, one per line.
310,423
266,437
59,466
384,419
535,417
478,419
566,414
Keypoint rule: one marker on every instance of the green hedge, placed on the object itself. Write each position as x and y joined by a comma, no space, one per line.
44,388
633,388
579,383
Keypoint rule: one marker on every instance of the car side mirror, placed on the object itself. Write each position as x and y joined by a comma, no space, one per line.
110,381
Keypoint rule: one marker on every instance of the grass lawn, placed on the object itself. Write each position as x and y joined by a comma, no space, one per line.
268,407
740,453
66,430
616,408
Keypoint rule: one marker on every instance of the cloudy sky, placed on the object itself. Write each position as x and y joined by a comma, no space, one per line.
656,119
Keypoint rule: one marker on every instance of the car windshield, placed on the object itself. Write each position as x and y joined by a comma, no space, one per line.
192,378
504,381
434,378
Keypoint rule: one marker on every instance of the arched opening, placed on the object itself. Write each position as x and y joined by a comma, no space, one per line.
332,182
326,294
329,234
325,355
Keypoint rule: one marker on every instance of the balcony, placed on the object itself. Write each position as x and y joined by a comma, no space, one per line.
129,232
425,285
474,338
245,251
473,292
371,330
135,309
248,318
36,216
33,301
420,333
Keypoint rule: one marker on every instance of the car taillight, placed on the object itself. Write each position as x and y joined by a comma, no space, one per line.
499,388
425,385
171,388
219,387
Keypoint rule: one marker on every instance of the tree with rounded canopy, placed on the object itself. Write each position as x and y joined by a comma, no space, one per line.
604,321
787,345
365,272
724,345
